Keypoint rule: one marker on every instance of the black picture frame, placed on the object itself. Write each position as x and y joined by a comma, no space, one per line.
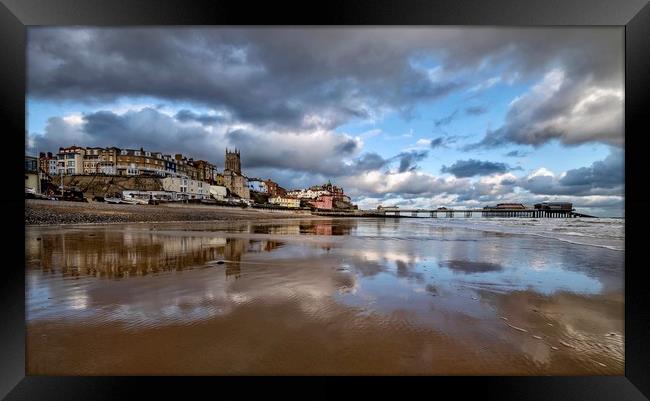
16,15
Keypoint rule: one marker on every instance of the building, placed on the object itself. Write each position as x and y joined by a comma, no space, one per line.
310,193
257,185
317,191
170,165
140,162
32,179
554,206
185,167
323,202
53,167
510,206
186,188
205,171
100,161
237,184
218,179
47,162
218,192
285,202
273,189
325,196
233,161
70,160
232,176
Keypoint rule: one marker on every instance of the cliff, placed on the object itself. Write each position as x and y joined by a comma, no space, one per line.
93,185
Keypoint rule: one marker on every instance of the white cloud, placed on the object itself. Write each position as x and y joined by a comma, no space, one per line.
488,83
541,172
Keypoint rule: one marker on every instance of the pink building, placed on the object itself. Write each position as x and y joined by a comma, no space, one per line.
323,202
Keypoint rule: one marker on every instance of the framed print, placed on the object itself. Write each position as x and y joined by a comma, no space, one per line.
449,191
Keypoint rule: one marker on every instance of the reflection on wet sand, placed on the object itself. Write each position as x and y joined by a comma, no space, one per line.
466,266
331,296
120,254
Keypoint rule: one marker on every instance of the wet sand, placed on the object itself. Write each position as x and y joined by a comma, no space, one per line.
318,296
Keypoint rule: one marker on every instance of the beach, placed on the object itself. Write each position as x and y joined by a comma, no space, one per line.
39,212
318,295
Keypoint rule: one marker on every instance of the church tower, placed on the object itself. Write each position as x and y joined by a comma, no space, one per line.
233,162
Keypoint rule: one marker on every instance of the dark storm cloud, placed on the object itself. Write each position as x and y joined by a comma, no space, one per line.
517,153
441,122
347,147
443,141
407,160
263,76
437,142
205,119
370,161
315,153
476,110
472,167
603,177
285,76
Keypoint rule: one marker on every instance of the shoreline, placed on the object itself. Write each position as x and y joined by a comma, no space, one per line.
49,213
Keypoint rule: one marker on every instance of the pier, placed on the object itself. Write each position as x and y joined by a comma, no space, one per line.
492,212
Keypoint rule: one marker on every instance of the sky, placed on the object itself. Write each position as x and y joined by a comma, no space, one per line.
408,116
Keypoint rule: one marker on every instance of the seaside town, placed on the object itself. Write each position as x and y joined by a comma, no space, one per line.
139,176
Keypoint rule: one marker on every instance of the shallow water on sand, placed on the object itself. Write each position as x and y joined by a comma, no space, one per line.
326,296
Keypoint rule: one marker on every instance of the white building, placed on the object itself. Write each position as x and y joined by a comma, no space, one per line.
307,193
257,185
218,192
52,167
186,188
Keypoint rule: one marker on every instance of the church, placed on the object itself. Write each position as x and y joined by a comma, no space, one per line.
232,176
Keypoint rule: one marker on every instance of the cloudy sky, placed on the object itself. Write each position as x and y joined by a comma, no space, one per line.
397,116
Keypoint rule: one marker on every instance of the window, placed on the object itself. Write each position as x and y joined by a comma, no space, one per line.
123,152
